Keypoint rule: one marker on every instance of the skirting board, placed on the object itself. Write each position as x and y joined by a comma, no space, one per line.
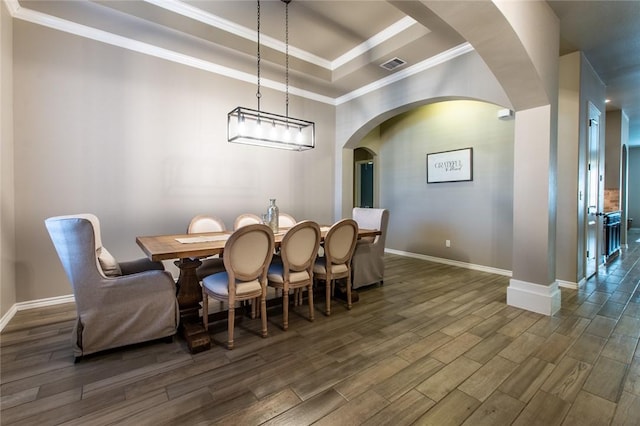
534,297
457,263
571,285
22,306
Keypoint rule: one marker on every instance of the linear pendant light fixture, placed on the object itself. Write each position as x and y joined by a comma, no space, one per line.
257,127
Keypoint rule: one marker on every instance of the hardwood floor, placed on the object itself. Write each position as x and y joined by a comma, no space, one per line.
436,345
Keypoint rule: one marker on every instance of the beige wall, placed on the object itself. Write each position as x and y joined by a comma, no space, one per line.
7,220
476,216
568,148
579,86
464,77
141,142
613,152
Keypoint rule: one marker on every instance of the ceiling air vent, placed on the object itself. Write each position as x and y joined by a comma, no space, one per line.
392,64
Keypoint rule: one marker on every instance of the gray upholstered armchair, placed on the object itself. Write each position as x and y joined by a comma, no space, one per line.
368,260
118,304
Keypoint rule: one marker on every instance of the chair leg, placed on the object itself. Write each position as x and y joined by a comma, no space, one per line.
348,292
296,293
285,309
310,297
263,313
231,321
327,308
254,308
205,310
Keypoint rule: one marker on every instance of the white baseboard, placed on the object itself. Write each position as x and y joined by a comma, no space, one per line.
572,285
457,263
32,304
568,284
7,317
533,297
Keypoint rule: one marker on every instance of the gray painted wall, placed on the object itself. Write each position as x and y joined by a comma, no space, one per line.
476,216
141,142
7,222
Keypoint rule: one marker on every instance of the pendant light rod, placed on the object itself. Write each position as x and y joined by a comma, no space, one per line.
286,54
258,94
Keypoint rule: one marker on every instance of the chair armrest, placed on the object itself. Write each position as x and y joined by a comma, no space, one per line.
133,286
140,265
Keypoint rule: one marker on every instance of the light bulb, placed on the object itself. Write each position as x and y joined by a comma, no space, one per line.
287,134
242,127
258,128
300,136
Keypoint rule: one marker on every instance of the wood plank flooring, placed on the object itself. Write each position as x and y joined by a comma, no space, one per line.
436,345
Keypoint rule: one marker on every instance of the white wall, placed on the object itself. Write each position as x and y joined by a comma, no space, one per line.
141,142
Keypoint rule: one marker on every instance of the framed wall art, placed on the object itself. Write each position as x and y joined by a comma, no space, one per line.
450,166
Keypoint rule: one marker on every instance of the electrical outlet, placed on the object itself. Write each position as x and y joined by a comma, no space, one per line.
447,243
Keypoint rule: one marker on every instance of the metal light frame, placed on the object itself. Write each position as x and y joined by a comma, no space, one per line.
260,128
253,127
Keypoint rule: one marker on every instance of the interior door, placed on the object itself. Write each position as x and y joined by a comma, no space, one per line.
364,183
593,213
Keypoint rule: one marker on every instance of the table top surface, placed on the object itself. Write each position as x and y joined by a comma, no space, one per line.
181,246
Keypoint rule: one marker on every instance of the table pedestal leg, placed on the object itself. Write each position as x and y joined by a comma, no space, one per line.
189,298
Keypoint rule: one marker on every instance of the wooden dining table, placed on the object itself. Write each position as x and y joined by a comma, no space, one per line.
188,249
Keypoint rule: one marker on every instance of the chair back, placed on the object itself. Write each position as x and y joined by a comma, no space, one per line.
76,239
247,253
340,242
286,220
299,247
373,219
246,219
204,223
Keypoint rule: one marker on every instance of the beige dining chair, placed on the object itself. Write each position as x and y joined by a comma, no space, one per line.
206,223
294,269
339,245
117,303
368,259
247,255
246,219
285,220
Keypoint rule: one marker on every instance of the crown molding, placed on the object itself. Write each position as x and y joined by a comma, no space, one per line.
381,37
12,6
199,15
39,18
438,59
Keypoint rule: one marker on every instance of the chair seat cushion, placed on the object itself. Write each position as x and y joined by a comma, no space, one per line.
210,267
218,284
320,268
276,274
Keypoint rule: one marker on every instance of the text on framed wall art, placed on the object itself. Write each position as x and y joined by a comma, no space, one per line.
450,166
